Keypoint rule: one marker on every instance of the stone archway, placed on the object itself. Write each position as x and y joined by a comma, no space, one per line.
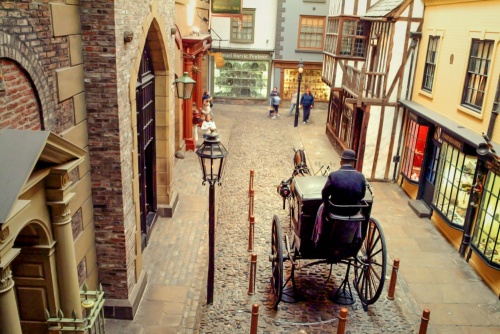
34,275
13,48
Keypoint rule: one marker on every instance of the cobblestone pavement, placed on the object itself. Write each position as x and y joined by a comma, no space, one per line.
267,147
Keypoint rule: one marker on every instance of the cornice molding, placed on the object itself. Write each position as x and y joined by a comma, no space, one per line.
447,2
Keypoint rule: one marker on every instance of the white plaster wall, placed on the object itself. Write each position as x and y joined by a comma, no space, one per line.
265,26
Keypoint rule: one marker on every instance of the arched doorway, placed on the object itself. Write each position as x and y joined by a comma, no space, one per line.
146,139
34,274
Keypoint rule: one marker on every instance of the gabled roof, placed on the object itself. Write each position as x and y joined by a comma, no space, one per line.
23,152
386,8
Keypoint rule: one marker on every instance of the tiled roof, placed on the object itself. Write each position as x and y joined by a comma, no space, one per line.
383,8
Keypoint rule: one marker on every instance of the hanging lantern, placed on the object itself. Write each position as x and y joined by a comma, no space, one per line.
219,59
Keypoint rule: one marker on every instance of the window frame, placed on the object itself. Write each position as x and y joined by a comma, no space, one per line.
335,34
430,65
301,26
415,146
234,38
479,79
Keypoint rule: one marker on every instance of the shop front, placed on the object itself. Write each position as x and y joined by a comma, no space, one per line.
311,79
246,74
459,181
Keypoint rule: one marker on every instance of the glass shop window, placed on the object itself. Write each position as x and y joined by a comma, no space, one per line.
486,237
454,184
414,152
242,79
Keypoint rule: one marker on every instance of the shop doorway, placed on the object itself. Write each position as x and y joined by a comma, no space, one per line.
33,274
146,139
430,173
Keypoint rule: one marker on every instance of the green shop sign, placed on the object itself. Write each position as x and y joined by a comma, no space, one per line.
226,7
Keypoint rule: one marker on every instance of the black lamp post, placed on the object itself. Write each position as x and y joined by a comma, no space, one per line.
184,86
297,105
212,156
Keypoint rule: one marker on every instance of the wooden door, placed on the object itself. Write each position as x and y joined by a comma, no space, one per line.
35,288
145,97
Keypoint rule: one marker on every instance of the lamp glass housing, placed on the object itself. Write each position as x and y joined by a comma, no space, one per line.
374,40
184,86
301,66
212,156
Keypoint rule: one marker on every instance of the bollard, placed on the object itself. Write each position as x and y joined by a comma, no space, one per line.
250,204
342,321
394,277
250,233
250,185
425,321
255,319
253,273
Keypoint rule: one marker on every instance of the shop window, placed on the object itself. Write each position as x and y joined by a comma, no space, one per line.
242,30
414,151
486,233
310,79
242,79
433,165
311,31
347,37
430,63
454,184
477,74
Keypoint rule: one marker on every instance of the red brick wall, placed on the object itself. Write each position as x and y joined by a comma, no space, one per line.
18,104
31,45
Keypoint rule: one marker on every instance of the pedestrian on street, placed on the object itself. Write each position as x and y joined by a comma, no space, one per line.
197,120
275,103
208,126
293,103
307,102
206,109
206,96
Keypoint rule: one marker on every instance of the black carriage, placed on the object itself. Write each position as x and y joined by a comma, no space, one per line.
357,241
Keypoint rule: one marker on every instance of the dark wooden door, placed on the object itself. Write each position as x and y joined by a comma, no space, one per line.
432,163
146,141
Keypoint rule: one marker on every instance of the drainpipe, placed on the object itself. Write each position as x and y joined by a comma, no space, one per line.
494,111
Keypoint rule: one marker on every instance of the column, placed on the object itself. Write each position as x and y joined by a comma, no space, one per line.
199,80
10,323
58,198
188,111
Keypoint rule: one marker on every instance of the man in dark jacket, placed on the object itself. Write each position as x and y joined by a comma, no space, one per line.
345,186
307,102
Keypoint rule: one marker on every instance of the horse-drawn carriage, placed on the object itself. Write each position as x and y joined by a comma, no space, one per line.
356,241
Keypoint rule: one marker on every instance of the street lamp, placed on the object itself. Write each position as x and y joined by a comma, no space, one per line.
184,86
212,156
301,70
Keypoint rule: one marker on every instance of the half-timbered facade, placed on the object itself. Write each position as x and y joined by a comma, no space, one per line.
368,61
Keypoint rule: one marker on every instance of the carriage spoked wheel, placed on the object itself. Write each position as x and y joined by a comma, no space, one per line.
370,265
277,261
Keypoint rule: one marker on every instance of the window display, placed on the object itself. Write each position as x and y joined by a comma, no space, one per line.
310,79
454,184
414,152
486,240
242,79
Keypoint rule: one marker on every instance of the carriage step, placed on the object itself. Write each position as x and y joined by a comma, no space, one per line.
420,208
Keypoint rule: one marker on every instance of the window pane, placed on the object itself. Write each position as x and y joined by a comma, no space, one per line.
477,74
311,32
430,63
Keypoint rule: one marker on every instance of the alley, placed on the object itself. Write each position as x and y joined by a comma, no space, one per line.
432,274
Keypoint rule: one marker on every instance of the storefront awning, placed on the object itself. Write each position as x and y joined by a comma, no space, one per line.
471,138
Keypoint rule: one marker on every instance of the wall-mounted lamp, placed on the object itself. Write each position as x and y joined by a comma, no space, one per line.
128,36
374,40
184,86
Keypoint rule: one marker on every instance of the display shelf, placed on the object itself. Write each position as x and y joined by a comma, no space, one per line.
242,79
310,79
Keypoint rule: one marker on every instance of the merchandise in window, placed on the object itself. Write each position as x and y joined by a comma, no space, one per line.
454,184
414,151
486,238
247,79
310,79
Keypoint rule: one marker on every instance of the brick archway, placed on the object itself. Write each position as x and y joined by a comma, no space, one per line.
13,48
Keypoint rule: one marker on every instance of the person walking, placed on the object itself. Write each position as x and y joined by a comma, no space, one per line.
208,126
307,102
275,103
293,103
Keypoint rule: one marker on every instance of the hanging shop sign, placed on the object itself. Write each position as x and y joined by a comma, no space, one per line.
451,140
226,7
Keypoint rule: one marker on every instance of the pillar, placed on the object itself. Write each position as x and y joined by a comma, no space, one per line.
57,192
199,80
10,323
188,111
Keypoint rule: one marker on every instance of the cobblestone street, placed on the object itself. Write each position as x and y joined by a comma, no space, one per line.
267,147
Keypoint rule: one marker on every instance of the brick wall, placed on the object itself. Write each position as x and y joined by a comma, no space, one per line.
31,45
18,104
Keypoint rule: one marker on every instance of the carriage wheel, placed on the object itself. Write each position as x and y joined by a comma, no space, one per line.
370,264
276,261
